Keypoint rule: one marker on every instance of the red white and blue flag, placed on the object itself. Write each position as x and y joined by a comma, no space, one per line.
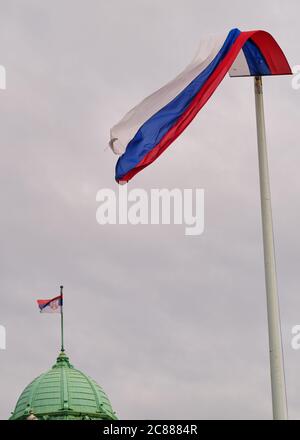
53,305
149,128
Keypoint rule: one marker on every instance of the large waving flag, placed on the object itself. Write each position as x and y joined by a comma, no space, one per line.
149,128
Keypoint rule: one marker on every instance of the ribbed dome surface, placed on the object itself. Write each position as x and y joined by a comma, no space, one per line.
63,393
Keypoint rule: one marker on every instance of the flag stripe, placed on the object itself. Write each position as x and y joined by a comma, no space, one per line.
255,59
272,53
240,66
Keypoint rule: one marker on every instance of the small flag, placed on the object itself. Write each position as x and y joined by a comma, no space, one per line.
147,130
53,305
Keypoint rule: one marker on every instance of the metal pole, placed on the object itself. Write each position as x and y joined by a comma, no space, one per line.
62,318
279,402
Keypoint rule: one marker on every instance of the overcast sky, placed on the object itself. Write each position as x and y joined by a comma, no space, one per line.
170,326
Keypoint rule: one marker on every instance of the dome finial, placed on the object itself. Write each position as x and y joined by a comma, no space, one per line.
62,360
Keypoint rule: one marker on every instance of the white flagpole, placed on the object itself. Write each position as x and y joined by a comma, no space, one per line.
279,401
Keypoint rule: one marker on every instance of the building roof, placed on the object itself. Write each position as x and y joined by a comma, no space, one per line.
63,393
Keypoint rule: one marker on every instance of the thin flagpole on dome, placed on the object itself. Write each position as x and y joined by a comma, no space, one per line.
62,318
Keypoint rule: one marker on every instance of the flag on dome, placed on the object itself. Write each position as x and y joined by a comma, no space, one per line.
53,305
148,129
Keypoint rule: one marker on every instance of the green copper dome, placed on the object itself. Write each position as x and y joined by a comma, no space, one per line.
63,393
